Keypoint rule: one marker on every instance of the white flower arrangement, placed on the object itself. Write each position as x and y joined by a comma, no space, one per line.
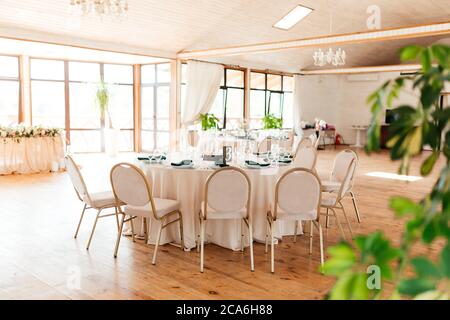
22,131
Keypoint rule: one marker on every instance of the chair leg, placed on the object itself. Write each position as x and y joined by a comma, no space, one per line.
117,218
181,231
145,230
267,236
327,222
295,231
93,230
81,219
272,250
202,244
319,227
132,229
198,235
250,239
355,206
348,221
242,236
119,235
310,236
158,237
341,230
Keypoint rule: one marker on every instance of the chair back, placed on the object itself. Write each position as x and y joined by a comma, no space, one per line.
306,158
77,179
305,142
346,182
341,163
227,190
314,139
298,191
130,186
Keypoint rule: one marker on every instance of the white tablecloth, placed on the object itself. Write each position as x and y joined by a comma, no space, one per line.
30,155
187,186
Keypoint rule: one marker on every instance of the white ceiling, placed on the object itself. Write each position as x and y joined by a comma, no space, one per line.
163,28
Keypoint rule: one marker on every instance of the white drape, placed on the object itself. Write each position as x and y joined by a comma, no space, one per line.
297,103
203,83
30,155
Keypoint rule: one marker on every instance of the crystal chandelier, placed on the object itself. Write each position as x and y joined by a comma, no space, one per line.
101,7
335,58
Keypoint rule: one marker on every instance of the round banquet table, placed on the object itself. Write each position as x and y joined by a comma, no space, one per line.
187,186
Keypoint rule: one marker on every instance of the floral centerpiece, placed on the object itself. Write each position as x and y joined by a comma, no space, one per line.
22,131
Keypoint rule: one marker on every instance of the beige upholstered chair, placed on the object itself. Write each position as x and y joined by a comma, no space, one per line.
97,200
305,142
332,201
294,205
131,187
337,175
305,157
227,196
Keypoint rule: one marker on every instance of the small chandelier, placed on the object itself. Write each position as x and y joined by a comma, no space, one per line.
336,58
101,7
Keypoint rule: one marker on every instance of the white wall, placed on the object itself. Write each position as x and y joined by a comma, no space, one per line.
341,102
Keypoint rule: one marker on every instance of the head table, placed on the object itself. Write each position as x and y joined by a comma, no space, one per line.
187,186
31,155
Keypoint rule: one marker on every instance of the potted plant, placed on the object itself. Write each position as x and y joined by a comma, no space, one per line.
272,122
111,134
209,121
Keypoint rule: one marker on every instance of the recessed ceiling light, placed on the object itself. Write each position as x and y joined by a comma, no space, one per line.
293,17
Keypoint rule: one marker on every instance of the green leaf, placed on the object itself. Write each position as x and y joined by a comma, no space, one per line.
431,231
410,53
425,59
359,291
343,287
441,53
403,206
425,268
413,287
445,261
429,163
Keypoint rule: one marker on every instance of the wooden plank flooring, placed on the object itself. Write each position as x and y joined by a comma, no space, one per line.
39,259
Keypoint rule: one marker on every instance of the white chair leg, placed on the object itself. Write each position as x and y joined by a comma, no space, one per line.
132,229
198,235
158,237
355,206
250,239
81,219
117,218
348,222
93,230
202,244
267,235
341,230
310,236
272,250
119,235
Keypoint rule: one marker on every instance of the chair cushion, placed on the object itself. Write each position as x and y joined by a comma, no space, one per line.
330,186
283,215
328,200
212,214
162,206
103,199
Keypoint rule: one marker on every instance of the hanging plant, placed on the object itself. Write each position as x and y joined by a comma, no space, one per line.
272,122
102,101
209,121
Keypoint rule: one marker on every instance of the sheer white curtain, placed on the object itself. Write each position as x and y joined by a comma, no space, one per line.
203,83
297,110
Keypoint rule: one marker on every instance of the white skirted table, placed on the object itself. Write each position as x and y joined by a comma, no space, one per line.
187,186
30,155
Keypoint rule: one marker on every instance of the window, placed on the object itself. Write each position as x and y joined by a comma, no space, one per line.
155,106
270,94
119,79
229,103
47,93
9,90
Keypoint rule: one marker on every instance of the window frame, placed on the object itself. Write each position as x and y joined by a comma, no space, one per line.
18,79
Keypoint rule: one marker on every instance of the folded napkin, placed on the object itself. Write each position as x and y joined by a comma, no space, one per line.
285,160
154,158
181,163
254,163
220,164
143,158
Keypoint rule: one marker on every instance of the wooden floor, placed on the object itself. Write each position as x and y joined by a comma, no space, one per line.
40,259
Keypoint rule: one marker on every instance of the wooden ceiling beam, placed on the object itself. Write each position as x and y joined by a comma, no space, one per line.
424,30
